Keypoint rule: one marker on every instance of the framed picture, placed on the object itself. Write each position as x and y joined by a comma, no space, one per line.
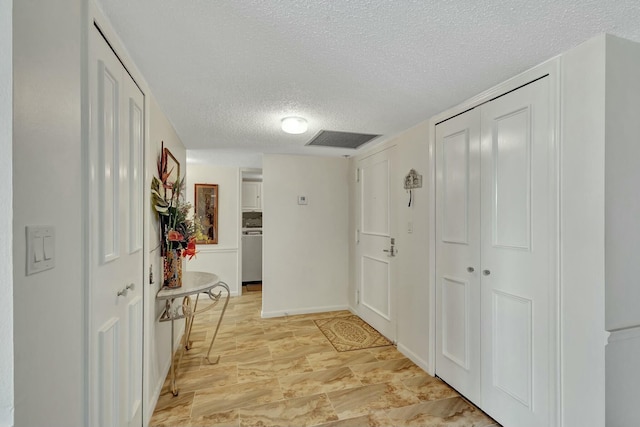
173,167
206,213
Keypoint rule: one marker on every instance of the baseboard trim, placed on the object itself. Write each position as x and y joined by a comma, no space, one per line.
414,358
309,310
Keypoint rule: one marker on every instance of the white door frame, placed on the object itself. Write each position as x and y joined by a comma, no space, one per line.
552,69
92,14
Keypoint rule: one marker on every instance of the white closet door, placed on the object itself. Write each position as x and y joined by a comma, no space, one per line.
458,253
116,150
517,256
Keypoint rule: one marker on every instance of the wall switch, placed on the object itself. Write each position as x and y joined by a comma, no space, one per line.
40,248
302,200
49,247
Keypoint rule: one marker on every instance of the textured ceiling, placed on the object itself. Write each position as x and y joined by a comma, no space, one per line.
226,71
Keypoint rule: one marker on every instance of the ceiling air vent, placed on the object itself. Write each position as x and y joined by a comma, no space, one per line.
331,138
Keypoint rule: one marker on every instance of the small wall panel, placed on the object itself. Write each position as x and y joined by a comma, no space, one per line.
109,373
512,346
109,163
455,321
375,198
512,180
455,188
375,285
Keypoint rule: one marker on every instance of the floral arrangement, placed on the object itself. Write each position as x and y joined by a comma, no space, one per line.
178,232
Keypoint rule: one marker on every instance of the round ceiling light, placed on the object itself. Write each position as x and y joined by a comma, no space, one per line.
294,125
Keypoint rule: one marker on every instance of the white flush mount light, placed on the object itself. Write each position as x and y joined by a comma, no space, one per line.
294,125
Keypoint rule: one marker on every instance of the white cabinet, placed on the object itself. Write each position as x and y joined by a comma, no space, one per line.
495,234
251,196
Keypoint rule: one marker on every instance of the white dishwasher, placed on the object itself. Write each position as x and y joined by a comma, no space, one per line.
252,256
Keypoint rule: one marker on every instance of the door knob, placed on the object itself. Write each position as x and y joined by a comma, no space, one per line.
130,286
122,292
471,269
486,272
391,251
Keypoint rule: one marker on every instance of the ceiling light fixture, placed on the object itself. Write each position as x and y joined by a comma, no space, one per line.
294,125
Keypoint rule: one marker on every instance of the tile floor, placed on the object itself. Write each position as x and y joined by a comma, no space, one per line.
284,372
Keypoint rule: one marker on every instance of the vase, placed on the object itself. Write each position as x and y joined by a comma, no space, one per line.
173,268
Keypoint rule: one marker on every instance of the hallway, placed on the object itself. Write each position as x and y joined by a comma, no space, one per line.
283,371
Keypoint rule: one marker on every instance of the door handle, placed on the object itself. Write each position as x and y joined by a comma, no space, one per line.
486,272
124,291
391,251
470,269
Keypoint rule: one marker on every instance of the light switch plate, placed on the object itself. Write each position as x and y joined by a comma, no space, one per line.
41,242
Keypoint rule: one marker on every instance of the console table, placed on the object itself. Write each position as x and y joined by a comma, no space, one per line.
193,283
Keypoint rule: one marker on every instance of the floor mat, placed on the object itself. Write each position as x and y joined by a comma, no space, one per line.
350,333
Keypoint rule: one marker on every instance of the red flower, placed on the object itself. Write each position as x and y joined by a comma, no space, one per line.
191,249
174,236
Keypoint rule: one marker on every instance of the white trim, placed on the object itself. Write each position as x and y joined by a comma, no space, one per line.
555,303
309,310
238,290
86,271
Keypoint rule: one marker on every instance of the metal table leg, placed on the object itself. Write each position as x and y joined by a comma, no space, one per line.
174,388
224,308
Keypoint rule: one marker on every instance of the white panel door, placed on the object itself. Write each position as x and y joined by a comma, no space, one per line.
458,253
376,274
116,192
517,251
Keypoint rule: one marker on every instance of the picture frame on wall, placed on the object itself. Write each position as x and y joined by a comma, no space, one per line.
173,167
206,213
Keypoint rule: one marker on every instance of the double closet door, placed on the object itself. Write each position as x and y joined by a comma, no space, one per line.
116,155
495,236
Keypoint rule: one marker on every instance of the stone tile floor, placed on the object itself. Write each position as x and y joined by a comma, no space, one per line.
284,372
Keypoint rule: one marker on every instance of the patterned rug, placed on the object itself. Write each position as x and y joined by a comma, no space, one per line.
350,333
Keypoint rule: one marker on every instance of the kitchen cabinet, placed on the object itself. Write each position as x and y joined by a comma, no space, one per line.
251,196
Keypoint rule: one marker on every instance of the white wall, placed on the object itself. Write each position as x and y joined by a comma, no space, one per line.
622,168
413,266
6,212
305,247
47,189
623,379
157,335
622,231
582,227
222,258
